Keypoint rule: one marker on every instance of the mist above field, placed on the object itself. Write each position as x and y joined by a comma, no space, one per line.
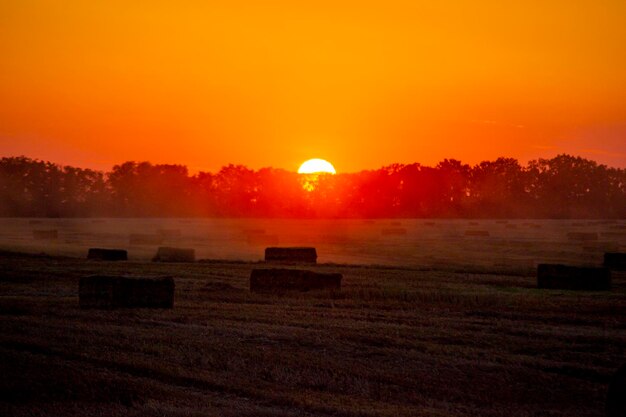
561,187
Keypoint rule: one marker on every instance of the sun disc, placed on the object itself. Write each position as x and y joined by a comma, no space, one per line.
316,166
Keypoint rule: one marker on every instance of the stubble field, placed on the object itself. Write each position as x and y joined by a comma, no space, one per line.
431,323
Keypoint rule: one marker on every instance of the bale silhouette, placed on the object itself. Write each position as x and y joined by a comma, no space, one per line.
582,236
99,291
565,277
169,233
166,254
393,231
45,234
618,235
616,394
602,247
145,239
476,233
262,280
615,260
107,254
293,254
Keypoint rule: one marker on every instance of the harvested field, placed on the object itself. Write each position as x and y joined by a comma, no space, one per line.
145,239
275,279
617,261
102,291
107,254
582,236
432,243
395,341
477,233
167,254
45,234
567,277
291,254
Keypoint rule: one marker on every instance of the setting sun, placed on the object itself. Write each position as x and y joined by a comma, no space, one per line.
315,166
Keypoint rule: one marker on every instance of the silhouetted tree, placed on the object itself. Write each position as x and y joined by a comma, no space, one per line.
562,187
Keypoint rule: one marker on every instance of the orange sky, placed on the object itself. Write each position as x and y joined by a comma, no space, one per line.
276,82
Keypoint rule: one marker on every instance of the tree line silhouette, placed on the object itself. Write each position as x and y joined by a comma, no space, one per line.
562,187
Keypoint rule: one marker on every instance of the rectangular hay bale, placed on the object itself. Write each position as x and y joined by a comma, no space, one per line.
45,234
99,291
475,233
291,254
167,254
582,236
107,254
615,260
565,277
262,280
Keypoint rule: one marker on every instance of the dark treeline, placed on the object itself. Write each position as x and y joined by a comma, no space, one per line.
561,187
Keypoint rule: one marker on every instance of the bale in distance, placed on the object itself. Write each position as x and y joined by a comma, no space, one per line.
616,394
582,236
145,239
393,231
268,280
169,233
167,254
107,254
565,277
475,233
45,234
291,254
615,260
603,247
618,235
107,292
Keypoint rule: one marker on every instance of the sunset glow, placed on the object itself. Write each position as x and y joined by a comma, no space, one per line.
367,84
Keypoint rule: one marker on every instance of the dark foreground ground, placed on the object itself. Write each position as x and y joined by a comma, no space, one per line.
392,342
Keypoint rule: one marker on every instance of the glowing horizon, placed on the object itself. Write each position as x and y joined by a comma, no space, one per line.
365,84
